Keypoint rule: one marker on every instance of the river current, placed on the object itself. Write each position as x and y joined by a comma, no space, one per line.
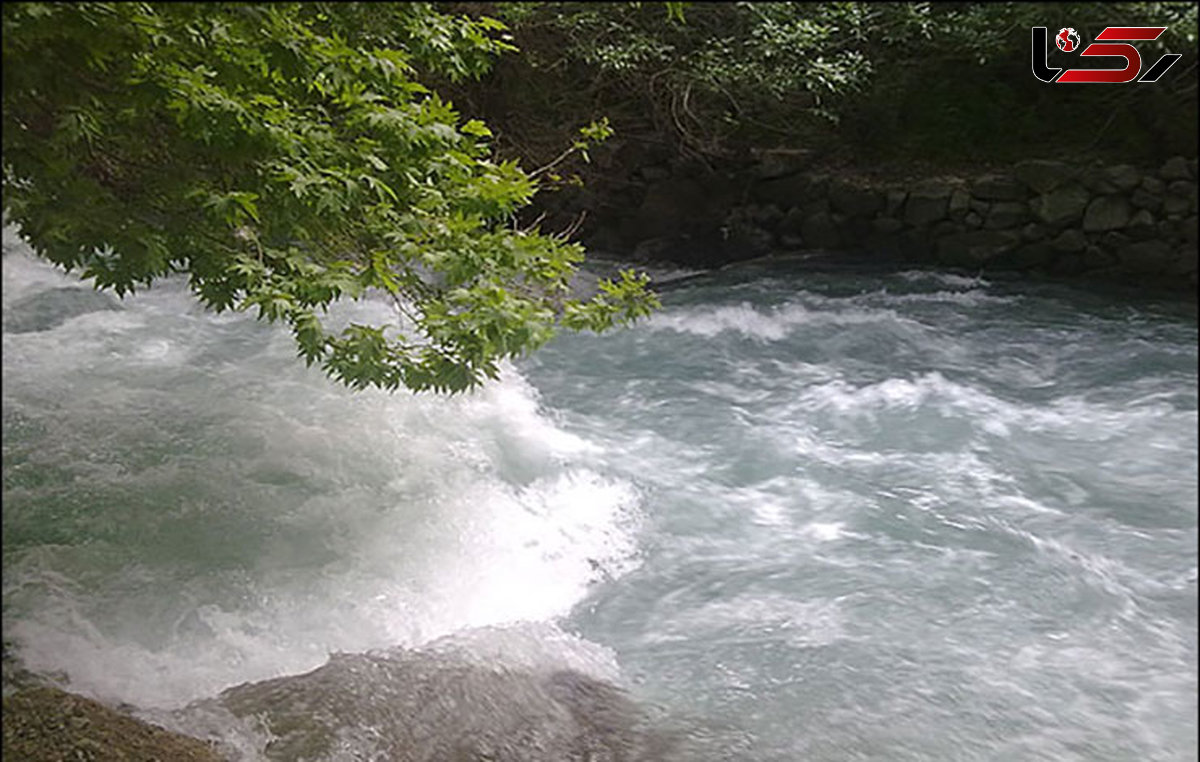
801,513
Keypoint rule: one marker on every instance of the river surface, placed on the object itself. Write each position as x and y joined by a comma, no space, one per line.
831,514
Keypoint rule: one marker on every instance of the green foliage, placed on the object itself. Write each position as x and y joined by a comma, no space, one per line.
596,132
285,156
675,12
917,78
704,71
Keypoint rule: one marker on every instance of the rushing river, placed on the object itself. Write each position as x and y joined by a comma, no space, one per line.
797,515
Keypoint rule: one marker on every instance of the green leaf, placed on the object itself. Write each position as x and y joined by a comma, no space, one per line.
476,128
284,157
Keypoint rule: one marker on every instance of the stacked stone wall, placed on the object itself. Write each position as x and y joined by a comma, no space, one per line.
1115,222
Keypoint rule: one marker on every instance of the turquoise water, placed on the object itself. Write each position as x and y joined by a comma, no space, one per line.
827,515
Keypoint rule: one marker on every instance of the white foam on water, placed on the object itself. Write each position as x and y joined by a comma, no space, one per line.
222,514
1074,415
825,531
771,513
973,296
766,325
948,279
973,534
531,646
969,298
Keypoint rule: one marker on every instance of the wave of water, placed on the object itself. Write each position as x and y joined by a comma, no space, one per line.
187,508
909,516
819,515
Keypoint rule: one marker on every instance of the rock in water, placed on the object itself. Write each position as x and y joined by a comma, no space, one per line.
455,699
410,706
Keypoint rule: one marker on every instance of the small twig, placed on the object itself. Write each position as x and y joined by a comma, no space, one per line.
561,158
573,228
530,227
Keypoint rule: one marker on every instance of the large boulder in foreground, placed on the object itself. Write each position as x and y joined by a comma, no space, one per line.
423,710
495,694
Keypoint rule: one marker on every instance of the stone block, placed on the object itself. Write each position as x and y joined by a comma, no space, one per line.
1113,241
1033,232
790,190
1061,205
1185,189
959,204
886,225
1187,228
935,188
1143,199
975,247
1176,206
1006,214
1071,239
1106,213
894,202
820,231
767,215
1096,180
792,222
999,188
923,208
1175,168
1141,226
1042,175
1123,176
853,201
944,228
815,205
1097,258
